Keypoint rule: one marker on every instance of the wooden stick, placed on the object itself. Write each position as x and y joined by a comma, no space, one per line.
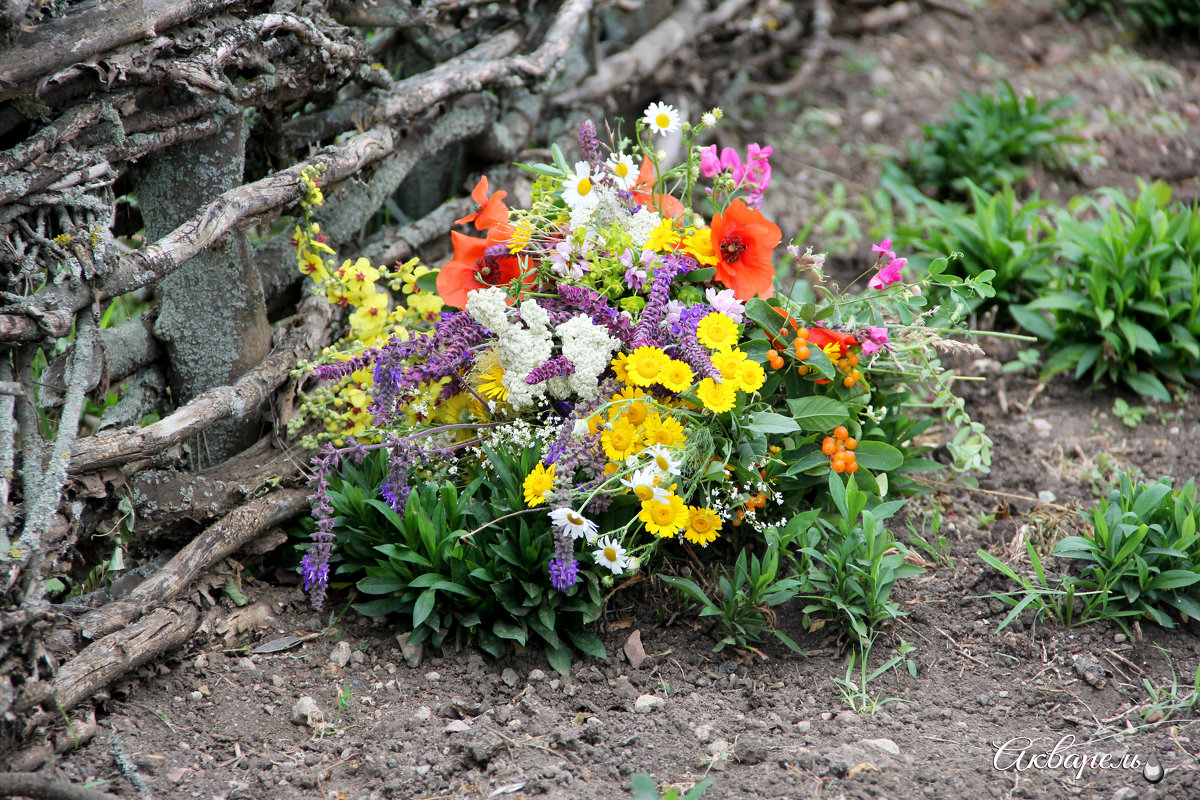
42,785
219,540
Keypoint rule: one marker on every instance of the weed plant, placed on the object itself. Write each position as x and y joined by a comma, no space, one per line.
989,139
1159,18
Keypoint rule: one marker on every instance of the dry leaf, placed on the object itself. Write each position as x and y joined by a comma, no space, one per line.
634,650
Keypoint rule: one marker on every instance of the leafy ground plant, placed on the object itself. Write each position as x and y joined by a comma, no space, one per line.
1127,308
989,139
741,604
458,565
644,788
854,687
850,563
1141,561
1160,18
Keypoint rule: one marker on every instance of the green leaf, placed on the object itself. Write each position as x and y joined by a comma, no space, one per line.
234,593
817,413
378,584
427,282
1147,385
560,659
1032,321
702,275
878,456
424,606
769,422
1174,579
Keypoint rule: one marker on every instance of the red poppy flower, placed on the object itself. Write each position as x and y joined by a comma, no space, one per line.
744,240
669,206
492,210
477,264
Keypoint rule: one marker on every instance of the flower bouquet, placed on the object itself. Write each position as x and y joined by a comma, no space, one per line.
621,356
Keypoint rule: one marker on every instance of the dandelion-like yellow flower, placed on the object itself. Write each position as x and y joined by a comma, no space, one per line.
663,430
644,365
717,331
676,376
664,518
621,441
664,238
717,397
751,376
699,245
538,484
635,412
703,526
491,384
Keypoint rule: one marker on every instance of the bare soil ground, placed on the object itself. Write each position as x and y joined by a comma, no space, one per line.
217,723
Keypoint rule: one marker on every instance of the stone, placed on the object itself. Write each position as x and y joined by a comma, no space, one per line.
866,754
846,717
340,655
647,703
719,747
703,733
624,688
307,712
751,750
422,714
510,678
457,726
536,676
413,653
433,676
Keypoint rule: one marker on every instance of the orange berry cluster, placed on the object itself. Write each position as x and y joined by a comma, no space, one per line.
802,351
847,365
839,448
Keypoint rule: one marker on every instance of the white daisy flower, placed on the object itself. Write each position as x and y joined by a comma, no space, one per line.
578,186
574,524
663,459
610,554
622,169
644,483
661,118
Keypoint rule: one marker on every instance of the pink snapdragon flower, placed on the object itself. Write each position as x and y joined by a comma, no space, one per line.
710,162
889,274
754,174
884,249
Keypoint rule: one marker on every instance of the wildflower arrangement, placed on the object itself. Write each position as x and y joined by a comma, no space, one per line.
627,337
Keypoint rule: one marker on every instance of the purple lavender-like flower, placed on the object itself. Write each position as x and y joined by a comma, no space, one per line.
402,456
554,368
564,574
335,372
589,145
596,306
649,330
314,567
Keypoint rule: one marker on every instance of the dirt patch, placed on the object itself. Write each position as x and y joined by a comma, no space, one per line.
217,722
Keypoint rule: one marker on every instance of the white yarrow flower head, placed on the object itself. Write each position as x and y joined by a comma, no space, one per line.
579,185
574,524
621,166
609,553
663,459
661,118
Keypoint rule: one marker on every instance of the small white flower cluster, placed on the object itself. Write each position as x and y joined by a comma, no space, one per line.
589,348
640,225
523,348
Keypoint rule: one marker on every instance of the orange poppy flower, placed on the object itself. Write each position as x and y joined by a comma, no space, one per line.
665,203
492,210
744,240
477,264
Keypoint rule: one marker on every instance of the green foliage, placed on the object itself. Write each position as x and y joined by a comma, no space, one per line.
1143,557
1130,416
849,561
988,139
454,568
1161,18
854,689
644,789
1127,307
999,235
744,597
1141,560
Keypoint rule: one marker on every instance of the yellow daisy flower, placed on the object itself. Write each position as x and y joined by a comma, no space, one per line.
703,526
665,431
621,441
717,331
751,376
538,484
676,376
664,519
629,392
729,363
717,397
620,367
634,412
644,365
